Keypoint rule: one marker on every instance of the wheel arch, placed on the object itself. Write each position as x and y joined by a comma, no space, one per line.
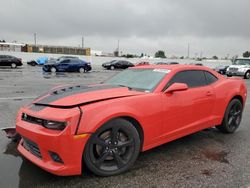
239,97
130,119
138,127
235,96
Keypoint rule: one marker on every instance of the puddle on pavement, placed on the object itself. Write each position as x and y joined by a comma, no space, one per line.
66,75
18,172
219,156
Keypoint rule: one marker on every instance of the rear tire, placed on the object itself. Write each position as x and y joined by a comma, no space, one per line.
247,75
13,65
113,148
232,117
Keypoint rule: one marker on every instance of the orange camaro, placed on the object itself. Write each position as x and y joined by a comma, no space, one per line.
106,126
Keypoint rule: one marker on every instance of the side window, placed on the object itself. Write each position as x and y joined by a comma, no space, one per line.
65,61
193,78
210,77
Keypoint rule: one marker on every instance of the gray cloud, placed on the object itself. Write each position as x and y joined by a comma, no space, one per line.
142,25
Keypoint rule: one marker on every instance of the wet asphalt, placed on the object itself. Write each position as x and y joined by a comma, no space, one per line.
204,159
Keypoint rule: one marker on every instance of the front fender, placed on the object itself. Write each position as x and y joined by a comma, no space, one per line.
146,109
92,120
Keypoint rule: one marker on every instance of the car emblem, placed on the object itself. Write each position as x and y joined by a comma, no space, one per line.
24,116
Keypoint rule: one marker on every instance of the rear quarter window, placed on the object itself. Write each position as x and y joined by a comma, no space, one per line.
210,77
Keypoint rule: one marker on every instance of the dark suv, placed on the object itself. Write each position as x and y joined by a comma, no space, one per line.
8,60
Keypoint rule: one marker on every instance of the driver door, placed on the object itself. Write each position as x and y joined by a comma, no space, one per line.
189,109
64,65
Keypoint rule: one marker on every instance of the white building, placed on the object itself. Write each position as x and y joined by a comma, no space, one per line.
96,52
7,46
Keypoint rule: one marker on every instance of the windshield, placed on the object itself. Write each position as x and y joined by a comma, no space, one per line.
242,62
139,79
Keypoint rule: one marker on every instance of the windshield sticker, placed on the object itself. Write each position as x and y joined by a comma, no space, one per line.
162,70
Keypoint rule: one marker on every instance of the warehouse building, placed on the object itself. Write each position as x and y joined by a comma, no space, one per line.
56,49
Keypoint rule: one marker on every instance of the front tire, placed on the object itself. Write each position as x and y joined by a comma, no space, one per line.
112,67
81,70
113,148
247,75
232,117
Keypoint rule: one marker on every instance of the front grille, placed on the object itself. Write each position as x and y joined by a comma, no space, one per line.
32,147
233,69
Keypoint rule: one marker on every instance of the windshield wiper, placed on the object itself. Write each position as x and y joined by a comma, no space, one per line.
130,88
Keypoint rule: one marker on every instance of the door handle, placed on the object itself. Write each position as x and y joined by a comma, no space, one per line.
209,93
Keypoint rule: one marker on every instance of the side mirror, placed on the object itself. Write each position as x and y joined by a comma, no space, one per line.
176,87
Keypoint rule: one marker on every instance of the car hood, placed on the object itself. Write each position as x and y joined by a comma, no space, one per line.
72,96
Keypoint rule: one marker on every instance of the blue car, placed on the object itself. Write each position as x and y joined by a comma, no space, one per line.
38,61
67,65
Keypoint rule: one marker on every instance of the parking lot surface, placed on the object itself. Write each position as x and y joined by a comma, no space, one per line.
204,159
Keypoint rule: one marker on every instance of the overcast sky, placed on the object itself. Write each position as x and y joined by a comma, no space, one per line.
215,27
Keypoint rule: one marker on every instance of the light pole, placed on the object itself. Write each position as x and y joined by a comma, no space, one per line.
35,38
82,41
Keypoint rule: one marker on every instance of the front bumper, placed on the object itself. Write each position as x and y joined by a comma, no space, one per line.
65,144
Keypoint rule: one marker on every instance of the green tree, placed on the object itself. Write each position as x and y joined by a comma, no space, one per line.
246,54
215,57
160,54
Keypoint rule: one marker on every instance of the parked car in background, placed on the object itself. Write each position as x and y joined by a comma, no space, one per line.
105,126
38,61
240,67
54,60
142,63
222,69
117,64
167,63
9,60
67,65
198,64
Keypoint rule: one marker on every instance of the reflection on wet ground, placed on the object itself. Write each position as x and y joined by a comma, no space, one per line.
199,160
216,155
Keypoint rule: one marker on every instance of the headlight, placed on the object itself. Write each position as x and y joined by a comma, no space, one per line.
55,125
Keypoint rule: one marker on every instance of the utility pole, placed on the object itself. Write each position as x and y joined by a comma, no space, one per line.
35,38
188,51
82,41
118,46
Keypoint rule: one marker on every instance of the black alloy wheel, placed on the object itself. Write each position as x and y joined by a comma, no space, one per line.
232,117
113,149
